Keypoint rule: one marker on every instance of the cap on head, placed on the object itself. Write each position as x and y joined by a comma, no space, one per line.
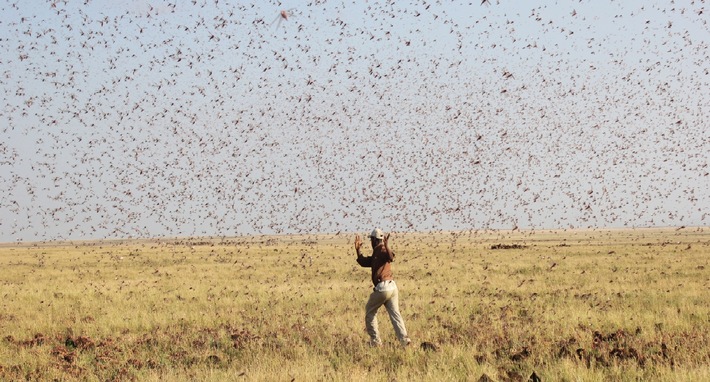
377,234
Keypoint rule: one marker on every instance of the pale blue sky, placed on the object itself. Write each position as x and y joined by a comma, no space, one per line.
157,118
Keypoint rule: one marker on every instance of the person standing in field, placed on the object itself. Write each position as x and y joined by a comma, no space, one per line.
385,290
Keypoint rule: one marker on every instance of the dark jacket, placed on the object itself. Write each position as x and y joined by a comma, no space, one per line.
379,262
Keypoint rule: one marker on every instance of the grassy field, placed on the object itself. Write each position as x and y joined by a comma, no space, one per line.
603,305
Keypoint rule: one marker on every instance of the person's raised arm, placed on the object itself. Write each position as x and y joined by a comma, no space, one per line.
390,254
358,245
362,260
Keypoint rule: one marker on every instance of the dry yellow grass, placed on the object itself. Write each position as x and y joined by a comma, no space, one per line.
568,305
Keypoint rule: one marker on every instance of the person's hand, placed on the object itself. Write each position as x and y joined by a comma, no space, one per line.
386,239
358,243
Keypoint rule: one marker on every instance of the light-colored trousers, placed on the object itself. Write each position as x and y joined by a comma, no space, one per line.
390,299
